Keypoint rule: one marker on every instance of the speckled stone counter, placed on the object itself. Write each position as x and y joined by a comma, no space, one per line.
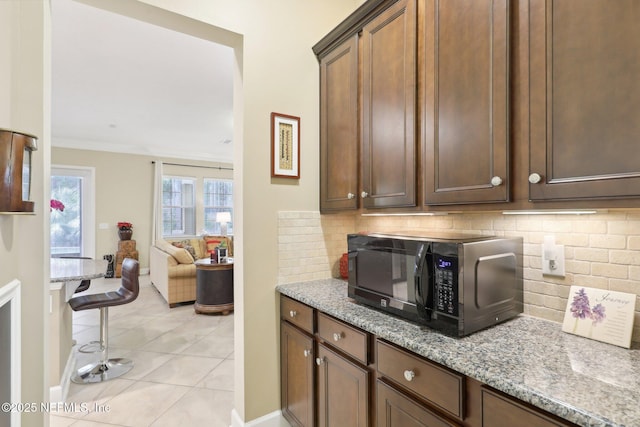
584,381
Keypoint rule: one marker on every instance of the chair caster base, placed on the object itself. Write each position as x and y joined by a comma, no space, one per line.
99,372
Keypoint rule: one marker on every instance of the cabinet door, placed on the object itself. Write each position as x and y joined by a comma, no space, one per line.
584,99
343,391
339,128
388,98
465,110
394,409
296,366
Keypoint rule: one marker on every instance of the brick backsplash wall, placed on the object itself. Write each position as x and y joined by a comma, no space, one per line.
601,250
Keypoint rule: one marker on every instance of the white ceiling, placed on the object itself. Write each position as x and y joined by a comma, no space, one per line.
123,85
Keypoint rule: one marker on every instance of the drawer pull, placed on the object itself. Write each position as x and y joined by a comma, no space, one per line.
319,360
337,336
307,353
409,375
293,313
351,196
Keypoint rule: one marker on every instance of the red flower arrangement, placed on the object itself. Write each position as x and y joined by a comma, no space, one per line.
56,204
125,226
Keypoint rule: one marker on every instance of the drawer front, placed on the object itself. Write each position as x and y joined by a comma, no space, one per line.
346,338
394,409
440,386
502,411
296,313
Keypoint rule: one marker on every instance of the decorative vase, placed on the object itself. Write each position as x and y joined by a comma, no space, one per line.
125,234
344,266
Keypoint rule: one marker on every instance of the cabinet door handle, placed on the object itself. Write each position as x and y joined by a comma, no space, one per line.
409,375
307,353
293,313
535,178
351,196
364,194
319,360
496,181
337,336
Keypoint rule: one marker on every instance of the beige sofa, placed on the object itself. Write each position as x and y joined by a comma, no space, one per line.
172,268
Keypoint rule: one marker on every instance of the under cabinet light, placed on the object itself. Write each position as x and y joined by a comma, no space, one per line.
557,212
407,214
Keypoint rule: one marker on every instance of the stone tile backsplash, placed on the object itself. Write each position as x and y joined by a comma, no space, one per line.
601,250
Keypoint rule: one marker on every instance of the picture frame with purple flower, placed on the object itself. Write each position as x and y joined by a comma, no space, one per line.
600,314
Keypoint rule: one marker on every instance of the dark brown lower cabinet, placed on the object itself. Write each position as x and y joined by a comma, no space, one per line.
394,409
296,359
499,410
343,391
331,377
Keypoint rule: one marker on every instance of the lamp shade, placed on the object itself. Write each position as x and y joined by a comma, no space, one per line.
223,217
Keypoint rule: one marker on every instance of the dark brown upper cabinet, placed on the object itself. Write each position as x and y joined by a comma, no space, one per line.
584,100
464,61
339,140
388,108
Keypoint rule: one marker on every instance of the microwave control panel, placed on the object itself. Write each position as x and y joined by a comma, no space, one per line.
446,285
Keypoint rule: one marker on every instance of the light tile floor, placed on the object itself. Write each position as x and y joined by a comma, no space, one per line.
183,366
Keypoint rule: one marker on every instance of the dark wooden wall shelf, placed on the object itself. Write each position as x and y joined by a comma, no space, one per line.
15,171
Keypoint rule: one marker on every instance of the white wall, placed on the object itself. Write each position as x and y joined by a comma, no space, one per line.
25,106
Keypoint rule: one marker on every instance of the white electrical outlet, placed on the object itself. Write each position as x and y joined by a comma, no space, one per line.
103,226
552,257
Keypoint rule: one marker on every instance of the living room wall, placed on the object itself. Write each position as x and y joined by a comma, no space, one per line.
124,191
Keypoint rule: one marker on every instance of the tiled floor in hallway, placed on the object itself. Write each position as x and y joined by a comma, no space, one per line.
183,366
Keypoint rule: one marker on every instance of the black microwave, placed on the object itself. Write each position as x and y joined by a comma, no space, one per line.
452,282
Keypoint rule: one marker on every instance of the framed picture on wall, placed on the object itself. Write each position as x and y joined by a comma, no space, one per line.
285,146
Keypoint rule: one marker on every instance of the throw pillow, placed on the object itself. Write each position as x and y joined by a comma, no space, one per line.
212,243
186,244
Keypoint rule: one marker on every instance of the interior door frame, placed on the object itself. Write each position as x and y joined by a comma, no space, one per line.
88,244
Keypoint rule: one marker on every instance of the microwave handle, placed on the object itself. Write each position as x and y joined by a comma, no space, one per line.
421,282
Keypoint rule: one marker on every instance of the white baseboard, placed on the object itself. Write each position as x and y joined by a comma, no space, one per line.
274,419
58,393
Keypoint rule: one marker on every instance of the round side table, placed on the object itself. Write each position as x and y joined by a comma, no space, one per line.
214,287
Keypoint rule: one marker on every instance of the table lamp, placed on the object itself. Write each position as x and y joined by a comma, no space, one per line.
223,218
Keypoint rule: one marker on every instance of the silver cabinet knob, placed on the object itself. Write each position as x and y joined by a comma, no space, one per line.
307,353
364,194
535,178
293,313
319,360
337,336
409,375
496,181
351,196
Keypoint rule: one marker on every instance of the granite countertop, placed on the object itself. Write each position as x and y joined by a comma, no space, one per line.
583,381
71,269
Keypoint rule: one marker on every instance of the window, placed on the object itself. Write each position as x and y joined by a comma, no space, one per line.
178,206
218,197
72,230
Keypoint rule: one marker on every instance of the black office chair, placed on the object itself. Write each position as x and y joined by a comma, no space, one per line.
106,368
